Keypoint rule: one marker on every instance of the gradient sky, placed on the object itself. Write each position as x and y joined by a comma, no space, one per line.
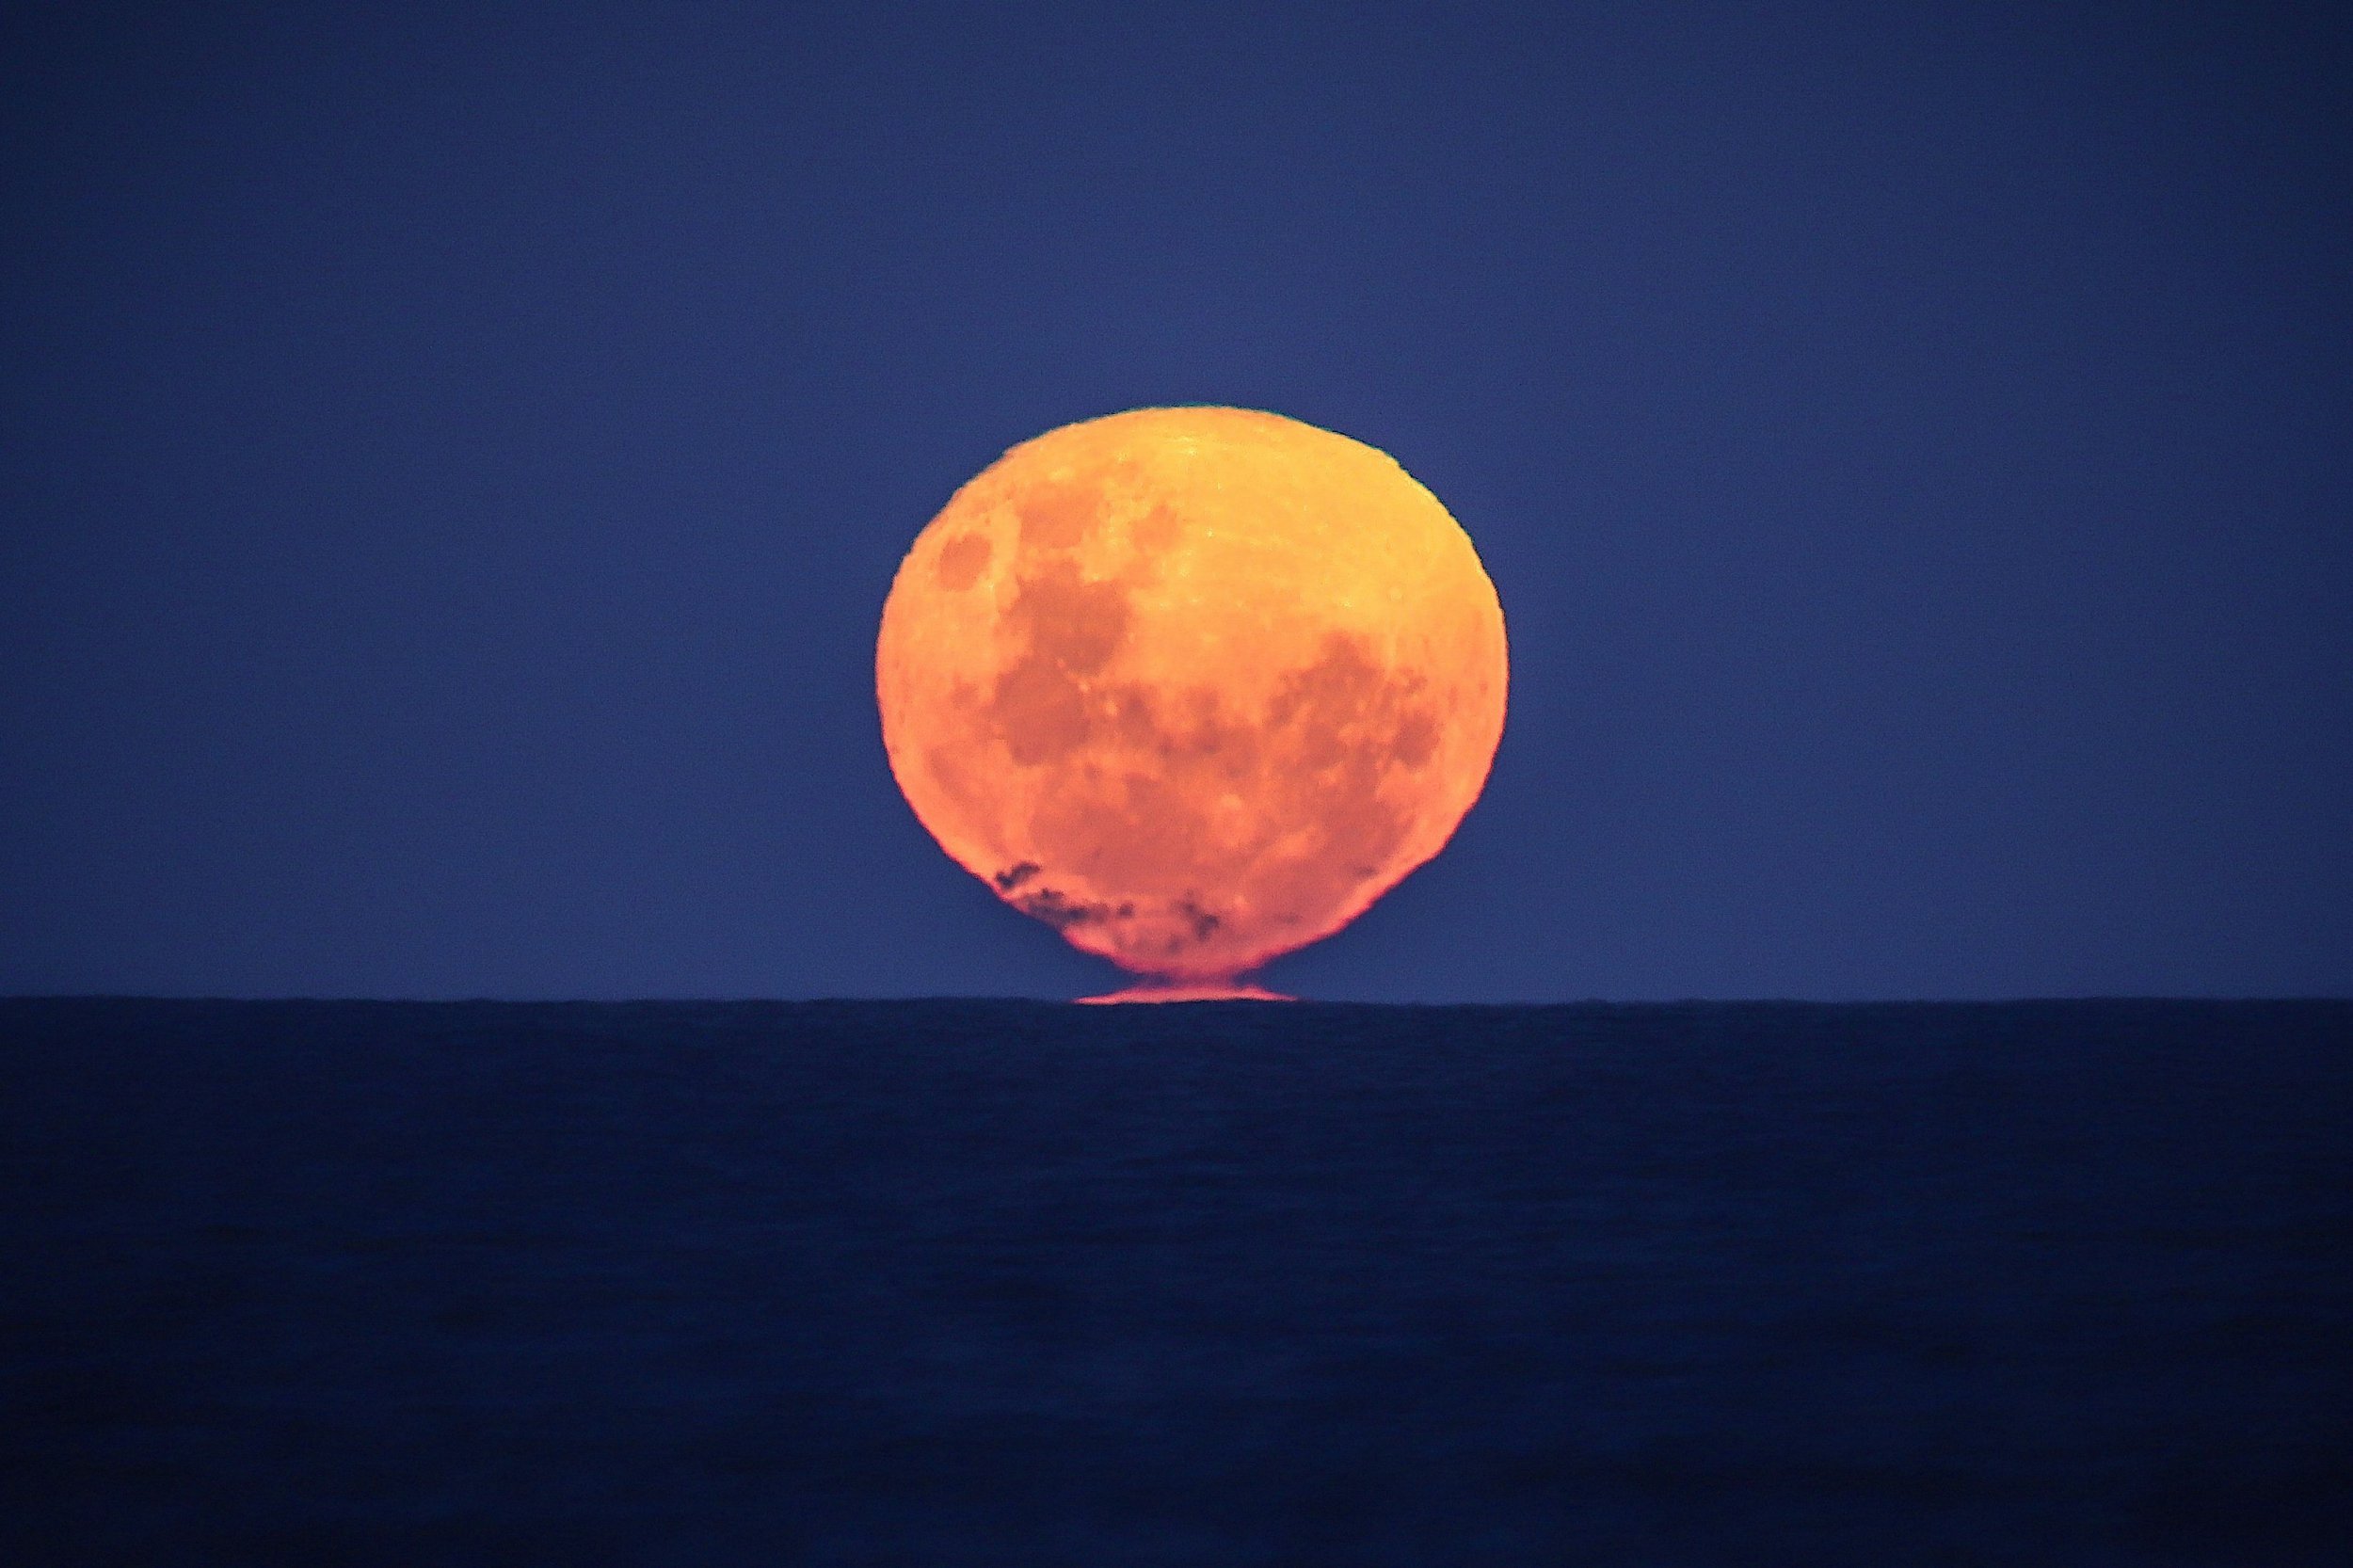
453,458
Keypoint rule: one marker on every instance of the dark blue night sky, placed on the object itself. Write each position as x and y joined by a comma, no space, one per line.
452,458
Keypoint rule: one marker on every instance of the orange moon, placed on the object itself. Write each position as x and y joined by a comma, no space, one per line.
1195,686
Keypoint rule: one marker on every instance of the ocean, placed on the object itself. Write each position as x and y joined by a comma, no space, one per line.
1234,1284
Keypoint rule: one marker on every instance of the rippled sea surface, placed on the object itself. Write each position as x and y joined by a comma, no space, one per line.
1015,1283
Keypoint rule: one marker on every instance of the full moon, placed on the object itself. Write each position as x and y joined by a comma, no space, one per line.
1195,686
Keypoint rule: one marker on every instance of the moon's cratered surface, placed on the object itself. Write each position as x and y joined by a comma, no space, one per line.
1193,685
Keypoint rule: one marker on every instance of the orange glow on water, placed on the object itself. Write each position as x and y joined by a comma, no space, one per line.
1179,990
1195,686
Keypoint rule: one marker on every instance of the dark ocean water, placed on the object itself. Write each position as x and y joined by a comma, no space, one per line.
1027,1284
